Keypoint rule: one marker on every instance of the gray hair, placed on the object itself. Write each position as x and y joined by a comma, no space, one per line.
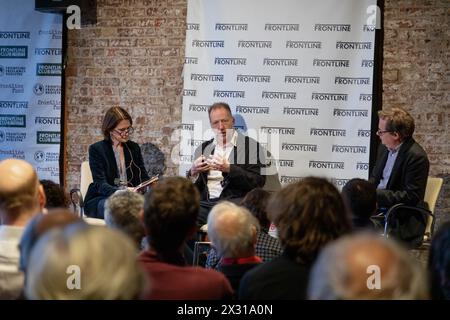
343,261
104,259
122,212
232,229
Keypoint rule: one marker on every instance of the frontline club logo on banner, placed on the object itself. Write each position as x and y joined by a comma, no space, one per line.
40,89
12,71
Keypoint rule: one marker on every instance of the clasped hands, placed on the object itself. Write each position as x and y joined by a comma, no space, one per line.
203,164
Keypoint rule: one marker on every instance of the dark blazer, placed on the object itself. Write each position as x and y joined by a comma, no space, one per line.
105,174
246,161
408,178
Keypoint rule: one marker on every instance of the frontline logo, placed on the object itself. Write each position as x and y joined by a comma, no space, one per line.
14,52
278,130
280,62
367,63
331,63
339,182
187,126
16,154
299,147
12,71
47,120
48,137
285,163
15,87
12,136
53,34
198,107
40,89
369,28
279,95
290,179
327,132
186,158
364,166
363,133
208,43
207,77
230,61
301,79
321,96
48,69
327,27
190,60
194,142
13,121
350,113
252,110
353,45
365,97
253,78
14,35
51,102
301,111
228,94
348,149
255,44
14,104
47,51
193,26
326,165
189,93
303,44
352,80
281,27
231,26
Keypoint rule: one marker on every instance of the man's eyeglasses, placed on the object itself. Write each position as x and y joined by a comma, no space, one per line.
381,132
124,131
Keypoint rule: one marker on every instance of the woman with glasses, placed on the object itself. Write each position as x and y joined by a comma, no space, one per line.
116,162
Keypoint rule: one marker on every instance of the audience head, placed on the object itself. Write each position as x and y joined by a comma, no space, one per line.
366,266
232,230
21,194
122,211
308,214
170,213
439,263
55,195
84,262
39,225
256,201
360,197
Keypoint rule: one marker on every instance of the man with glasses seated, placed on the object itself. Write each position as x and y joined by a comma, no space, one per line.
116,162
401,169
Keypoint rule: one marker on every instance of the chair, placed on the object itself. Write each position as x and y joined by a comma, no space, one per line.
432,190
77,195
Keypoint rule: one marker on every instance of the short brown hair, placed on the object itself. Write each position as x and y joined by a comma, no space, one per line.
170,212
112,118
256,201
219,105
398,120
308,214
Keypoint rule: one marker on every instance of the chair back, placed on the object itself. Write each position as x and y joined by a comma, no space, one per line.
432,190
86,177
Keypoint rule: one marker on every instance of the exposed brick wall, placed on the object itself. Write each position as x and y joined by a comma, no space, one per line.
416,76
133,57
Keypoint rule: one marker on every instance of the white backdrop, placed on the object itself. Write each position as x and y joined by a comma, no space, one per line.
30,86
297,75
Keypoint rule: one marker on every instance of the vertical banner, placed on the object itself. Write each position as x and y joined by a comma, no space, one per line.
297,75
30,86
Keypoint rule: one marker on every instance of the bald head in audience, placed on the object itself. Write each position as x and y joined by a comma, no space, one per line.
21,195
366,266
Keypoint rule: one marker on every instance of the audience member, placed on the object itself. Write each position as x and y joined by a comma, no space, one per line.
366,266
55,195
21,198
170,215
308,214
439,263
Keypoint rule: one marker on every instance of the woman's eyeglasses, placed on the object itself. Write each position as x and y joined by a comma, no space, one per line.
125,131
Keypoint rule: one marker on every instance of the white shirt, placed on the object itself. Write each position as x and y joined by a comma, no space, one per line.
389,165
215,177
11,278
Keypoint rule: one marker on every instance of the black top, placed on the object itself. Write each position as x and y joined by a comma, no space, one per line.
409,175
235,272
105,173
279,279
